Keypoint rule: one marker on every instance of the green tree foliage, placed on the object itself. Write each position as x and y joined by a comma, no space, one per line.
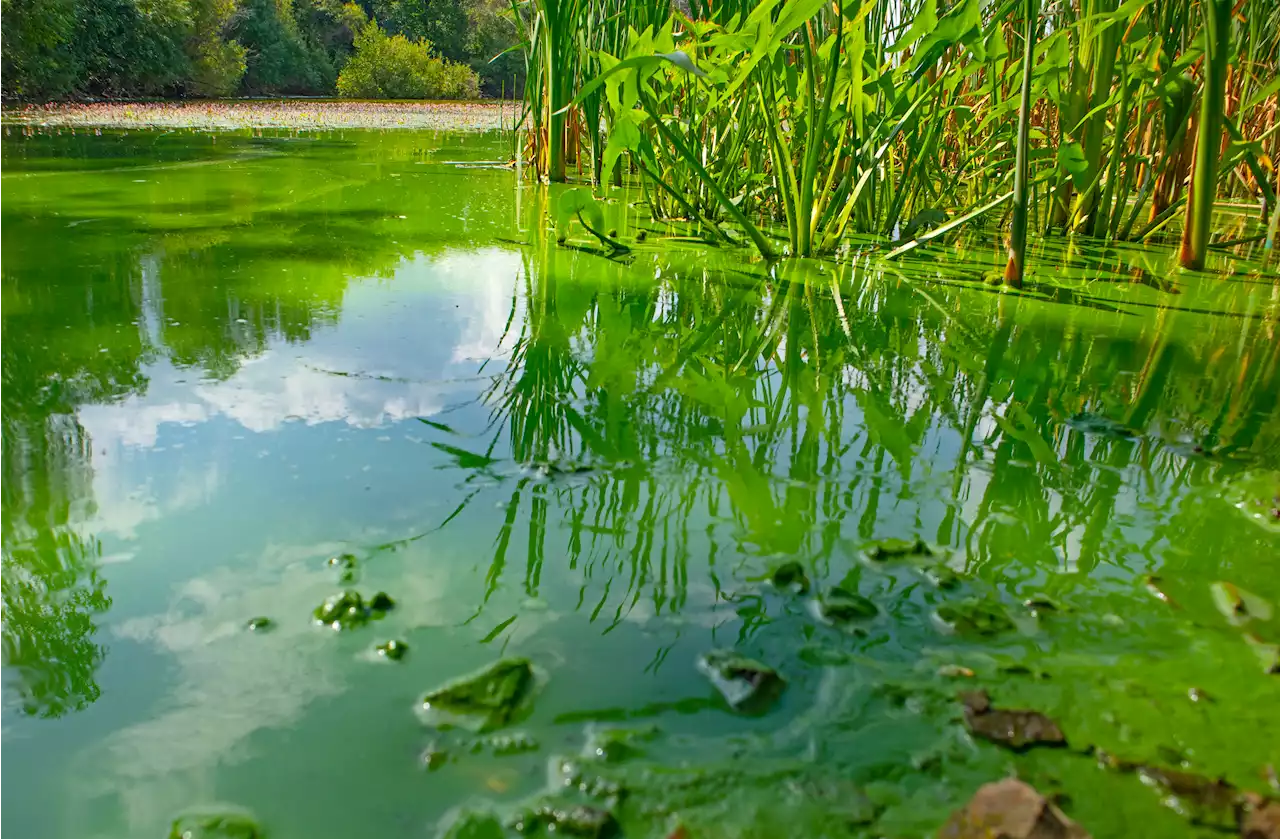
57,49
128,48
393,67
217,63
114,47
490,36
443,23
279,59
36,61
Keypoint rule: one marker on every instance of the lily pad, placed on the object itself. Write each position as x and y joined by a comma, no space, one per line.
381,602
259,624
220,824
839,606
746,684
1018,730
484,700
1010,809
972,616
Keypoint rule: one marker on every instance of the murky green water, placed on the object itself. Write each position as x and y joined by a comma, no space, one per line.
227,360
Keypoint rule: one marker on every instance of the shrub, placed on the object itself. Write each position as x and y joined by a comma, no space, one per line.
393,67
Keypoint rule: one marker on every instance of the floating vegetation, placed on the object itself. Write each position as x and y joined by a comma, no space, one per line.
515,743
614,745
315,115
347,566
840,607
1018,730
689,451
349,610
790,577
746,684
487,699
392,650
1207,801
972,616
473,824
433,756
216,824
579,821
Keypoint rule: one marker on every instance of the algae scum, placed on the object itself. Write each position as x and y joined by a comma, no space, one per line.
340,500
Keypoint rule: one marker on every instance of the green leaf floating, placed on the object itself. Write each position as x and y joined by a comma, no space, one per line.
481,701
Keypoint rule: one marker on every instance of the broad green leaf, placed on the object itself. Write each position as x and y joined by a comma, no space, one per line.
963,24
1071,158
624,137
925,21
634,63
995,46
769,36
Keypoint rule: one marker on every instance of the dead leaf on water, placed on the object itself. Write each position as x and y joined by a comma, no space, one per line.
1010,809
1017,729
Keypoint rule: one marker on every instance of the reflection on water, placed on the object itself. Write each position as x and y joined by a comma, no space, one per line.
227,360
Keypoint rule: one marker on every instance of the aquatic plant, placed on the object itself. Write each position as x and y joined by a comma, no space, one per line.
816,121
1021,193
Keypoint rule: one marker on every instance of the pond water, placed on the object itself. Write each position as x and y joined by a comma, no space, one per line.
228,359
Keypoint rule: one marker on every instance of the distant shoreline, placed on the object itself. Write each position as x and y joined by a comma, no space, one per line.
295,114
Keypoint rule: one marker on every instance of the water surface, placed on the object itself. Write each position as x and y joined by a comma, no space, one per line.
229,358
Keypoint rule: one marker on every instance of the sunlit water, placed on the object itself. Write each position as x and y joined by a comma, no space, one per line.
228,359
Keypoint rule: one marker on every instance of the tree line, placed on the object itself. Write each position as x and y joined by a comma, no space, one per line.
65,49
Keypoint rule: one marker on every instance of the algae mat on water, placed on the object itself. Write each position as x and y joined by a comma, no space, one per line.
231,359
